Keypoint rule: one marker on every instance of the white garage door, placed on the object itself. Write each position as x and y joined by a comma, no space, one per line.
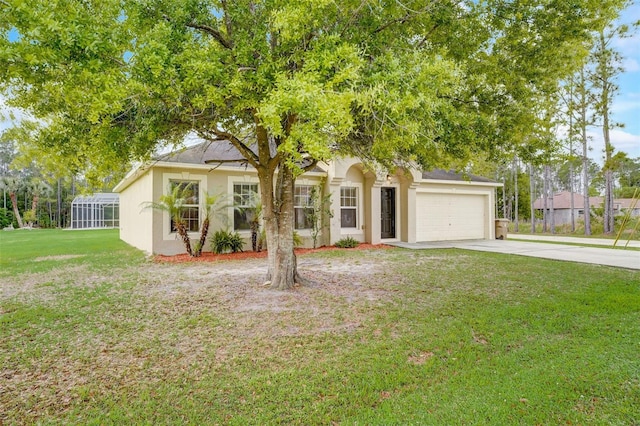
442,217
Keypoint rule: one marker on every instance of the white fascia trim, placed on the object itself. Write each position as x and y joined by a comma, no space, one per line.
130,177
223,168
461,182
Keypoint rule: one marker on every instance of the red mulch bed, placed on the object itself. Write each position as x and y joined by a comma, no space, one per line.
211,257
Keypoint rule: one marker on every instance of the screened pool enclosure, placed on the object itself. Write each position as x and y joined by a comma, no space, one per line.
101,210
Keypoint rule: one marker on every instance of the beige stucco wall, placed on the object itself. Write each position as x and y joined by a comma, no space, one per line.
136,223
211,181
350,172
149,230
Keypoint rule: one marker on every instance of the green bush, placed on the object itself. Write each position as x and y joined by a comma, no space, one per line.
226,241
29,217
6,218
347,242
44,221
297,239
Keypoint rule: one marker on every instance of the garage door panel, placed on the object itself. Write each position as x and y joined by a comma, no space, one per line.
442,217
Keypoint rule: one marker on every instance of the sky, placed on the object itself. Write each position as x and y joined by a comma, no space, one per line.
626,105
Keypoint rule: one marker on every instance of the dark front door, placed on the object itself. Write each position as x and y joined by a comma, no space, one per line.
388,212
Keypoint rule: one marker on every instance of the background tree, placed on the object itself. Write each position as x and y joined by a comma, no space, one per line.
628,174
606,69
582,100
12,185
606,62
37,188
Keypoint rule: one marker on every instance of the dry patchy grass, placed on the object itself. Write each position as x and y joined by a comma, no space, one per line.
165,321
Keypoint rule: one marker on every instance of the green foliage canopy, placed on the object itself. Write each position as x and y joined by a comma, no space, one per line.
435,82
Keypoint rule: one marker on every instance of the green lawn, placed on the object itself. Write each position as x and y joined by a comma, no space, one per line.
91,332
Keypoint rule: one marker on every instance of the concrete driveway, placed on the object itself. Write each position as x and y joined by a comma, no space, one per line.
629,259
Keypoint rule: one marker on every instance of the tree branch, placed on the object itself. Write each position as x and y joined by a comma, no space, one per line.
408,16
227,44
309,166
213,33
227,20
354,17
237,160
245,151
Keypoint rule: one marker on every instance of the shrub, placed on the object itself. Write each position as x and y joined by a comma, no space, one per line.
6,218
226,241
29,217
347,242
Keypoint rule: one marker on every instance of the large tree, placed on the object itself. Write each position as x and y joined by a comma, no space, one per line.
287,83
606,68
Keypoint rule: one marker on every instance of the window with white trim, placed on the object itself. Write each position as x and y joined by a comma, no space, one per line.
348,207
244,198
302,205
189,191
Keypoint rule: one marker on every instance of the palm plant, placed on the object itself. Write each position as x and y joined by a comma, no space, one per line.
213,206
254,216
173,203
37,188
13,185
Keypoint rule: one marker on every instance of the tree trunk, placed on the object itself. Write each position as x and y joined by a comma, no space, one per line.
545,200
515,184
587,207
571,200
609,215
182,231
585,160
552,213
50,212
532,198
203,237
277,202
570,106
59,199
16,212
605,78
255,228
34,202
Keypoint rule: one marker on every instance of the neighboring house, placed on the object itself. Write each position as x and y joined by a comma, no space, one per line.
370,207
625,204
562,206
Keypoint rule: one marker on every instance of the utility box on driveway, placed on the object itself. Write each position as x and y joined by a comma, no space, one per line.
502,227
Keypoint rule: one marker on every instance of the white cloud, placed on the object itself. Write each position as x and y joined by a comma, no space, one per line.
629,47
10,116
630,102
630,65
621,141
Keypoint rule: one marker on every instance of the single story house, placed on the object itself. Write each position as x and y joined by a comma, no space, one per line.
562,206
372,207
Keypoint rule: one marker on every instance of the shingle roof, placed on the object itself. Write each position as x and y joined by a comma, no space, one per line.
440,174
213,153
208,152
205,153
